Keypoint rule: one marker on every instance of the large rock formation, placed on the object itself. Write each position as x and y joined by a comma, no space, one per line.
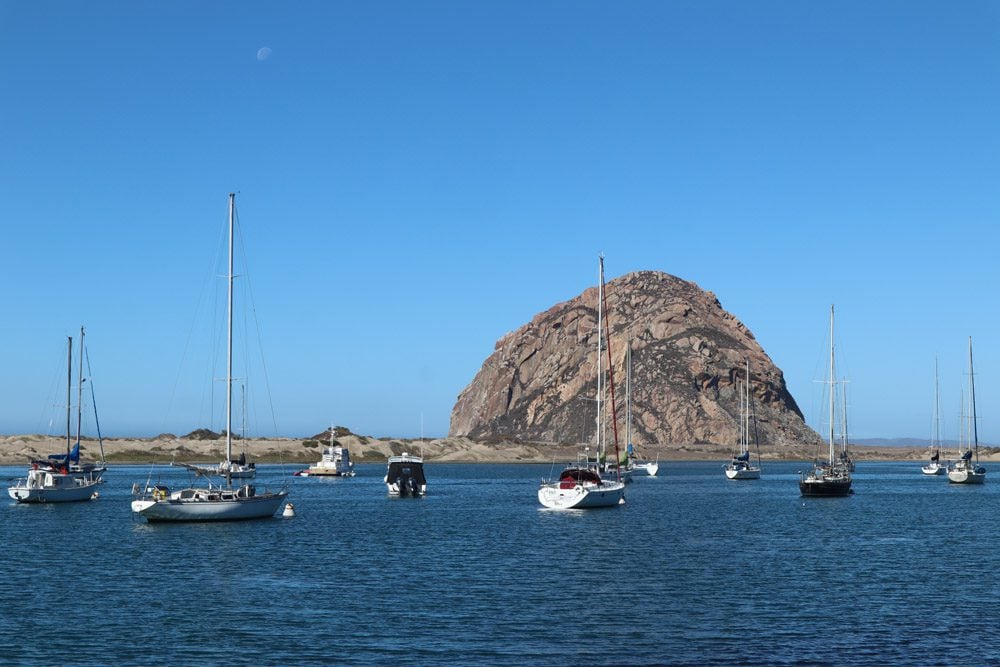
687,355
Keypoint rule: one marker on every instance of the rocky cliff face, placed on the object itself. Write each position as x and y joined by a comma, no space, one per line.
687,355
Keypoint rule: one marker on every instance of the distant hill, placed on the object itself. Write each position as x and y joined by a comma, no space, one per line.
904,442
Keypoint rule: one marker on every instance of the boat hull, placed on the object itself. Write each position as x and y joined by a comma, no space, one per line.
934,469
649,469
967,476
825,488
44,485
743,473
316,471
70,494
580,496
189,509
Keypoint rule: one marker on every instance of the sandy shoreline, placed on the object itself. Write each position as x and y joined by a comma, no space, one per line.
18,449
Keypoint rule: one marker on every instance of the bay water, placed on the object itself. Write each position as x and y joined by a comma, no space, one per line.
693,570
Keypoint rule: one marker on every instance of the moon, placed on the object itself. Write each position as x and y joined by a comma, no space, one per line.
263,53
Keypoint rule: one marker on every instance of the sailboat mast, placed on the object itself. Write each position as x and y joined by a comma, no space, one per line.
833,383
600,363
628,396
745,422
69,392
611,377
79,393
937,407
229,343
843,419
973,428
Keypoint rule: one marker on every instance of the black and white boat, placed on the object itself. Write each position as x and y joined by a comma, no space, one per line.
404,476
832,477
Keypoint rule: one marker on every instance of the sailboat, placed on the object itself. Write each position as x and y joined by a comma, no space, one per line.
634,463
242,467
62,478
833,476
740,467
934,466
211,502
580,485
964,470
845,453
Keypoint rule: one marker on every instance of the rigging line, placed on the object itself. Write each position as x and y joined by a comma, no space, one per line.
50,403
93,401
256,321
205,289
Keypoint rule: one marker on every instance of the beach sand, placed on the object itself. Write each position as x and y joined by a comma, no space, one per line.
18,449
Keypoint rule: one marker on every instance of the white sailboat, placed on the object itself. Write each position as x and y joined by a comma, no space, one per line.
211,502
934,466
831,477
965,470
62,478
581,485
741,467
242,467
635,464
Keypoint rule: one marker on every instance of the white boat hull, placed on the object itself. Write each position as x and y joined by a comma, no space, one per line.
743,473
45,486
69,494
175,508
968,476
580,496
420,490
934,469
646,469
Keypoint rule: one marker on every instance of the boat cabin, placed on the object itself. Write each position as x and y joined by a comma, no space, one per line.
570,477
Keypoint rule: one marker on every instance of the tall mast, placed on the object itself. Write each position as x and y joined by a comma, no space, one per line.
833,383
600,365
745,422
843,418
69,392
973,429
79,393
628,396
611,377
937,407
229,345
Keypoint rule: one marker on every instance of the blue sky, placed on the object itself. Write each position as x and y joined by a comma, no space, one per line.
416,179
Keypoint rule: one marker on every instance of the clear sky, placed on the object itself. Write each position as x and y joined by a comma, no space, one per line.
416,179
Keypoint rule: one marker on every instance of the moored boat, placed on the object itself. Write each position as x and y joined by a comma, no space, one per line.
157,503
966,470
334,462
581,486
934,466
832,477
62,478
404,476
740,467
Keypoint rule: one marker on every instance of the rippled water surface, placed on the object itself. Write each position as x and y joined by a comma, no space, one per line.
694,569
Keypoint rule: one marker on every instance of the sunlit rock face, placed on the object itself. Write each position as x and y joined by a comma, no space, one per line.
688,354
